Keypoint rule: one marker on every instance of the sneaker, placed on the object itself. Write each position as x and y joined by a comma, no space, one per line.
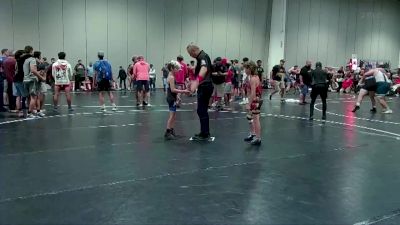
41,114
31,116
114,108
324,117
145,103
250,138
270,97
201,137
140,105
373,110
70,109
55,108
256,142
283,100
103,109
388,111
311,118
168,135
356,108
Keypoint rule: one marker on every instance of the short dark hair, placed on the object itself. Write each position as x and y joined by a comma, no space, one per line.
28,49
44,58
192,62
236,61
179,58
18,54
151,65
259,61
318,64
37,54
101,57
4,51
245,59
61,55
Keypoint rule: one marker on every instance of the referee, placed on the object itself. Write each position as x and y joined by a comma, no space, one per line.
320,80
204,88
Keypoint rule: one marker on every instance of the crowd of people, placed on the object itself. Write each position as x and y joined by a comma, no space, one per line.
25,77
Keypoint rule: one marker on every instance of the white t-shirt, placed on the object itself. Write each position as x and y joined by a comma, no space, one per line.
152,73
381,77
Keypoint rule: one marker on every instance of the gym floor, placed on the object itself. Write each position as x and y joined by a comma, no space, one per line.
90,167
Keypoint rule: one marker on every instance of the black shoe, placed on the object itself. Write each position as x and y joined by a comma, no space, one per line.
250,138
311,118
168,135
201,137
256,142
373,110
323,117
3,110
270,97
145,103
173,132
356,108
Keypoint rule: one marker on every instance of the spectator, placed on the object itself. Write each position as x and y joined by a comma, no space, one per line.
152,73
79,74
9,69
122,77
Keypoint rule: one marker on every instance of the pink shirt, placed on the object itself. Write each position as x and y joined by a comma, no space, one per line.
229,77
180,75
141,70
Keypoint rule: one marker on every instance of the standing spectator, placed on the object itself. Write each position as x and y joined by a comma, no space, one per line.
3,57
141,73
305,81
19,90
90,73
165,73
41,68
9,69
122,77
152,78
79,74
31,82
103,78
62,74
260,69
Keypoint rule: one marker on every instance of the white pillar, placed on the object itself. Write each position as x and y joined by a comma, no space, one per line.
277,33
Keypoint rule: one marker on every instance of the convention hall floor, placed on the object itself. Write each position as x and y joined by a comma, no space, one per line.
90,167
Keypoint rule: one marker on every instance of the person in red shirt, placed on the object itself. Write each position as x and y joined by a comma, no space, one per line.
180,77
9,70
142,76
228,85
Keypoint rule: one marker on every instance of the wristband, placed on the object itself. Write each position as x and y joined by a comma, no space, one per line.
200,78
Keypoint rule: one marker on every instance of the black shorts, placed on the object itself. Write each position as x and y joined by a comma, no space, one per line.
104,85
140,84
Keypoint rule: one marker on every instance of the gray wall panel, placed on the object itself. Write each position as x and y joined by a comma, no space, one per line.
247,28
189,25
74,23
205,27
260,29
233,29
155,33
137,41
159,30
173,29
117,34
26,23
219,32
6,25
338,29
50,27
303,21
96,28
292,36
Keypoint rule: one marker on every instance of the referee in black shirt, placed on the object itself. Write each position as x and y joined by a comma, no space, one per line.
319,84
204,88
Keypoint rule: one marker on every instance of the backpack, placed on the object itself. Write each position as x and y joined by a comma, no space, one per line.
104,69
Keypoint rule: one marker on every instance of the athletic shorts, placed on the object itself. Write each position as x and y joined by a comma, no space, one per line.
172,106
104,85
382,88
304,90
228,88
32,87
43,87
63,87
219,90
255,107
142,84
19,89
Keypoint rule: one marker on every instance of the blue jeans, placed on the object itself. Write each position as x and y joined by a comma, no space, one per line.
204,94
